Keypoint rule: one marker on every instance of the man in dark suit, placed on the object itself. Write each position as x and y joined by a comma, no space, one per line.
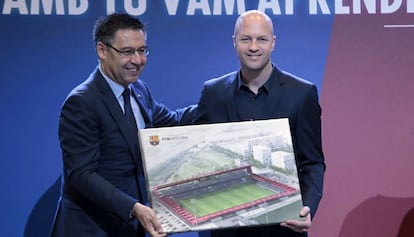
103,191
259,90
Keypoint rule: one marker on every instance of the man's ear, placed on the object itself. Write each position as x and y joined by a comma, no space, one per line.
101,50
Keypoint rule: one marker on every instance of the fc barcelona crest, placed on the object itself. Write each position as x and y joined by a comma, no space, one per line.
154,140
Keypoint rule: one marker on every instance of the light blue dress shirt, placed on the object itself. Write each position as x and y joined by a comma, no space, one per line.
118,90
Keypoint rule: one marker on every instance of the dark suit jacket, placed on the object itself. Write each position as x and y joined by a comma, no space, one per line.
103,175
289,97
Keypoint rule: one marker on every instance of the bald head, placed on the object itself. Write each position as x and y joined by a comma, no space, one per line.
253,16
254,42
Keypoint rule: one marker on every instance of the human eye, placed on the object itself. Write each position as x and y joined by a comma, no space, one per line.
244,39
263,39
143,50
127,52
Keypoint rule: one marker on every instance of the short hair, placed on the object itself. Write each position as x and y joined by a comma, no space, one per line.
107,26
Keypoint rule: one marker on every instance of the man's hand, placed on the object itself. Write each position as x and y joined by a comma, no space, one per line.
302,225
148,220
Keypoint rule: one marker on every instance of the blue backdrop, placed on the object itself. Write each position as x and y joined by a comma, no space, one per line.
47,49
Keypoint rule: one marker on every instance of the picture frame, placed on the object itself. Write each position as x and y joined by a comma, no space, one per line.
222,175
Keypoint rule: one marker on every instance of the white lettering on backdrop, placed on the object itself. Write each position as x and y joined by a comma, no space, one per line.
208,7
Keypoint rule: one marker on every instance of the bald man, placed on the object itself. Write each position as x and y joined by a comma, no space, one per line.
260,90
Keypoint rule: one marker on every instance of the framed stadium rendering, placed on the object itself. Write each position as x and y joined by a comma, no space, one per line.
221,175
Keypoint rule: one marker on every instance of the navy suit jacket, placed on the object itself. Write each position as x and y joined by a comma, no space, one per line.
103,176
289,97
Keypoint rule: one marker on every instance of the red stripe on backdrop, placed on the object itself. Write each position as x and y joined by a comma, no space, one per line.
368,127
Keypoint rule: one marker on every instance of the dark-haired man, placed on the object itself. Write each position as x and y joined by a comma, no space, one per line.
103,187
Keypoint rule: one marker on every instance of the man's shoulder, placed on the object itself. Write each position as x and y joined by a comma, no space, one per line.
224,79
88,89
86,86
290,78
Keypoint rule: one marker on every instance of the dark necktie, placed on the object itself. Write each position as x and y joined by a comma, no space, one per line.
128,110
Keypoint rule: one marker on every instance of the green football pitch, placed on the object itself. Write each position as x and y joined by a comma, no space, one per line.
215,201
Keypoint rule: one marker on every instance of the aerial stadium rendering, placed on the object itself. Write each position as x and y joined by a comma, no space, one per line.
222,175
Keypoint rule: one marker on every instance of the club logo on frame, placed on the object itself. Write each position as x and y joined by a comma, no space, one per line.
154,140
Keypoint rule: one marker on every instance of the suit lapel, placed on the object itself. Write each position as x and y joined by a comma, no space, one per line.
231,88
118,115
139,99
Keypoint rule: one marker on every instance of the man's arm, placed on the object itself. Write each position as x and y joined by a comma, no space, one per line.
311,163
160,114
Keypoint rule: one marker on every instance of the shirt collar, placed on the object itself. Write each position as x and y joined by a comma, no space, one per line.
115,87
266,87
